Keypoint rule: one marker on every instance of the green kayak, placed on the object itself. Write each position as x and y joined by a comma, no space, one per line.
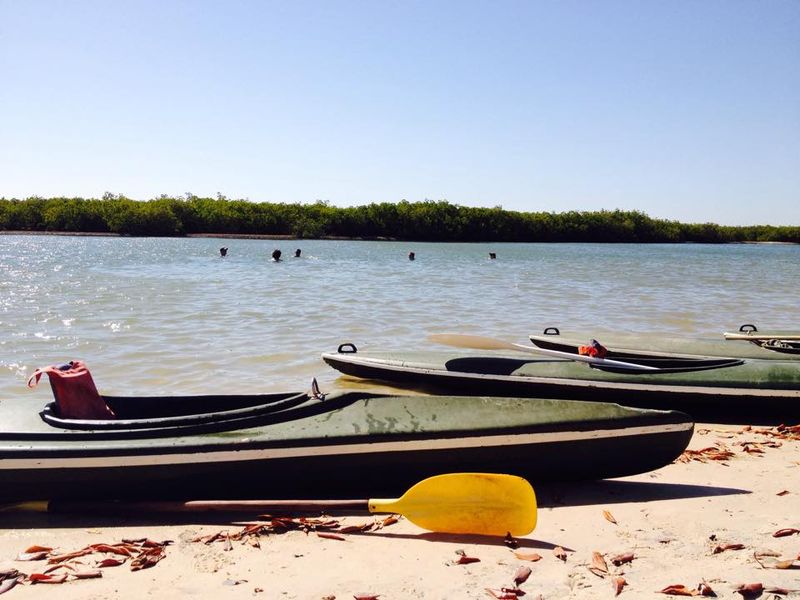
715,389
350,444
747,343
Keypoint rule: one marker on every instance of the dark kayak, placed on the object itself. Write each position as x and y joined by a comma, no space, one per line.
293,445
733,390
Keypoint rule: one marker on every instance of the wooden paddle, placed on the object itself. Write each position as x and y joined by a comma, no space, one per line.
474,503
479,342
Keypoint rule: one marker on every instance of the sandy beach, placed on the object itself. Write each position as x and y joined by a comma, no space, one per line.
706,522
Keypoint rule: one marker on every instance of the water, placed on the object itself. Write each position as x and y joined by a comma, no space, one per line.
170,316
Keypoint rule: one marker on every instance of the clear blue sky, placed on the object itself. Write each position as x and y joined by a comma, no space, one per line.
686,110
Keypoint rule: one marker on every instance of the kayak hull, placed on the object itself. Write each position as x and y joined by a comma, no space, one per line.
631,345
348,445
754,391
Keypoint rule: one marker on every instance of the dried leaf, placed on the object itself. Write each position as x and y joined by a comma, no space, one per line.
110,562
786,531
724,547
390,520
784,564
621,559
598,572
531,556
146,542
7,584
502,594
783,493
752,448
617,583
149,557
117,549
678,590
208,539
750,590
705,590
757,556
715,453
366,596
521,576
560,553
52,568
88,574
609,517
360,528
599,563
45,578
69,556
36,548
330,536
463,559
32,556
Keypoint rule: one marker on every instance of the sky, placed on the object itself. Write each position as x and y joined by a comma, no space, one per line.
683,109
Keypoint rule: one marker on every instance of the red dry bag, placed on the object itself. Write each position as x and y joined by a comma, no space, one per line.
595,349
74,390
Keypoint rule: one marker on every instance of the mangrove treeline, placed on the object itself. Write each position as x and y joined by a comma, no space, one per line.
424,221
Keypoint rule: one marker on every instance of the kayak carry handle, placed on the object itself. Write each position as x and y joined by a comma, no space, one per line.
551,331
748,328
347,348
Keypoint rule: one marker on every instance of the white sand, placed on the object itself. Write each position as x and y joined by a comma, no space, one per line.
670,519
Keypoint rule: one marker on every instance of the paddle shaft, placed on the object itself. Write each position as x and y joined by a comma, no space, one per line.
198,506
476,503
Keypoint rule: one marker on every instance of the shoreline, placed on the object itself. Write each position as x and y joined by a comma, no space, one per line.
701,521
233,236
254,236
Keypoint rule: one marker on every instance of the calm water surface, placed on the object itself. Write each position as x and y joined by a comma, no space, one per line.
170,316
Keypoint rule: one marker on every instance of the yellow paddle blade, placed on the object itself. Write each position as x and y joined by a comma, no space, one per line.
477,503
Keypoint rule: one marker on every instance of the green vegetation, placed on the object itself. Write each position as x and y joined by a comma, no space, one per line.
429,220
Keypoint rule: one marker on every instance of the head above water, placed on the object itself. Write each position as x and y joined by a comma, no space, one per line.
297,253
276,254
411,256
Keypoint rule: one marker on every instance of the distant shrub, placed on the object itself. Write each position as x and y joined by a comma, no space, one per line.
428,220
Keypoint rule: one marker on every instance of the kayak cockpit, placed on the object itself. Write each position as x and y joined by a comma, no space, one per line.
164,412
79,407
